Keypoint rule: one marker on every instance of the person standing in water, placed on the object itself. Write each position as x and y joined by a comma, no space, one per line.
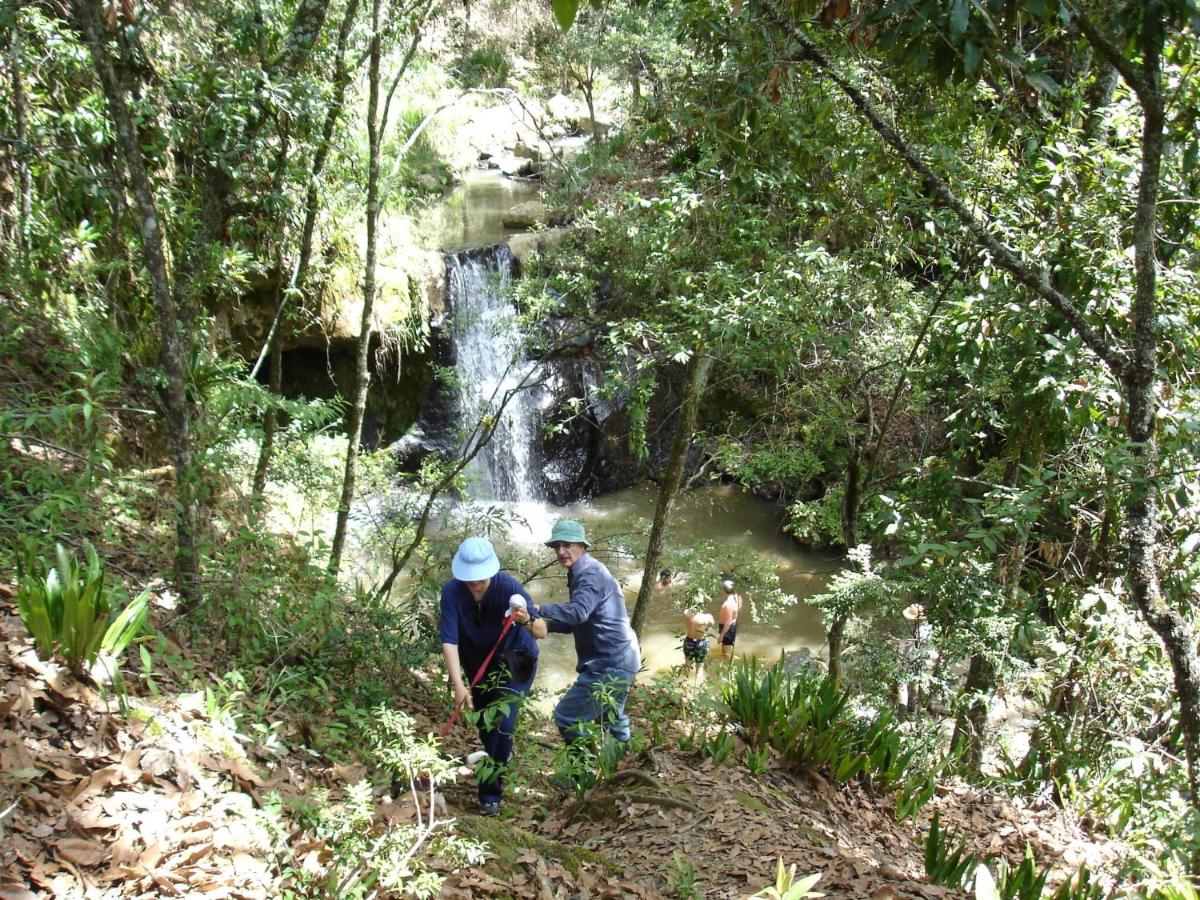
727,619
695,641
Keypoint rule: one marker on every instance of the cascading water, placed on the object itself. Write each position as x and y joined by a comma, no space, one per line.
490,361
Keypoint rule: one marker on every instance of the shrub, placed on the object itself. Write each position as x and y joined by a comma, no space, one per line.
757,699
805,717
69,612
486,66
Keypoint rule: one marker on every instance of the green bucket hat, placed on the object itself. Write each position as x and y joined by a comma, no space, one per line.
568,530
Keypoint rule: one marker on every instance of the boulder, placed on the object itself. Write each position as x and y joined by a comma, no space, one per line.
562,108
525,245
799,661
525,215
525,151
593,127
512,165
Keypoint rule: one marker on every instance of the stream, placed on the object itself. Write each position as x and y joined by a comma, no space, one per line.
509,472
722,513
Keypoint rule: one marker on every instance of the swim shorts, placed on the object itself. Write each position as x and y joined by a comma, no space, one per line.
695,650
730,634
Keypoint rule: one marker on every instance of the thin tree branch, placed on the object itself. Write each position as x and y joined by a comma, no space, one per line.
873,456
1039,283
1111,54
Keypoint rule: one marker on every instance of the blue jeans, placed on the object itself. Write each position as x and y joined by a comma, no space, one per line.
498,741
595,698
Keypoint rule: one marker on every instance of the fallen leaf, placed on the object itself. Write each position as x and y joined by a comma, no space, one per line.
80,851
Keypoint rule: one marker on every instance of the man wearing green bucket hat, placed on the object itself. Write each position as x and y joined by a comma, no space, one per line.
606,647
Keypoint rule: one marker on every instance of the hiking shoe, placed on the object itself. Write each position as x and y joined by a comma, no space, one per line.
489,808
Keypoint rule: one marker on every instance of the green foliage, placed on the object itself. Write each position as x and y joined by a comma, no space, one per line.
486,66
684,877
808,721
757,759
918,791
947,862
660,706
788,887
719,747
757,698
1080,886
1024,882
365,857
69,611
854,588
816,523
595,754
422,160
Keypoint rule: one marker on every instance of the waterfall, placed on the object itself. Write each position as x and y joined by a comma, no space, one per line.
490,361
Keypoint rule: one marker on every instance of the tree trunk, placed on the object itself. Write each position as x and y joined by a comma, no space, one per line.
362,374
259,484
20,104
1141,389
972,720
851,501
173,345
270,419
695,380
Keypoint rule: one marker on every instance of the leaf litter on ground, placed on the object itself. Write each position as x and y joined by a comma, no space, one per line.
162,800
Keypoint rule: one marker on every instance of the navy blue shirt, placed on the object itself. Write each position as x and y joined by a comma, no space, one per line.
595,615
474,627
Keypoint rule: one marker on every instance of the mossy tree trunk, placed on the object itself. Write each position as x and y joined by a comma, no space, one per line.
362,375
694,383
174,342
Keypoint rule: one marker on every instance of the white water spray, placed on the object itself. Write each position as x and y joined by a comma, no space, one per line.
488,350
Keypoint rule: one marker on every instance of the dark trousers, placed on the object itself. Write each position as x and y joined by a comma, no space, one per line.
498,740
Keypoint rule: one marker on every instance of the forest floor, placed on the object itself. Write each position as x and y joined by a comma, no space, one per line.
163,797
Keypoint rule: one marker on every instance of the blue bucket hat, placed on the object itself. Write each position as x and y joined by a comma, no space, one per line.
568,530
475,560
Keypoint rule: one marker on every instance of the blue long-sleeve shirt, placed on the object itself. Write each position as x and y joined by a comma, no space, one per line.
475,627
595,615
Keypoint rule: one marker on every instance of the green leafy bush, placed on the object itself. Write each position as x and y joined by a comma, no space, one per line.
757,760
757,699
486,66
805,717
69,612
719,747
947,861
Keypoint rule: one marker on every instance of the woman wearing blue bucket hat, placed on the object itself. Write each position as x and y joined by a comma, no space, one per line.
474,604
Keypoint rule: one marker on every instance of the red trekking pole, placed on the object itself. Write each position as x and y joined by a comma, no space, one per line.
508,621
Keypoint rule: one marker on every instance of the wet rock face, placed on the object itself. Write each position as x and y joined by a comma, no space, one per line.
581,449
583,443
435,430
394,397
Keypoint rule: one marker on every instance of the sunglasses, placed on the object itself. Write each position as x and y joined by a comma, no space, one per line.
558,545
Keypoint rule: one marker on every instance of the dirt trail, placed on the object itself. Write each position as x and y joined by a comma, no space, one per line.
162,800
